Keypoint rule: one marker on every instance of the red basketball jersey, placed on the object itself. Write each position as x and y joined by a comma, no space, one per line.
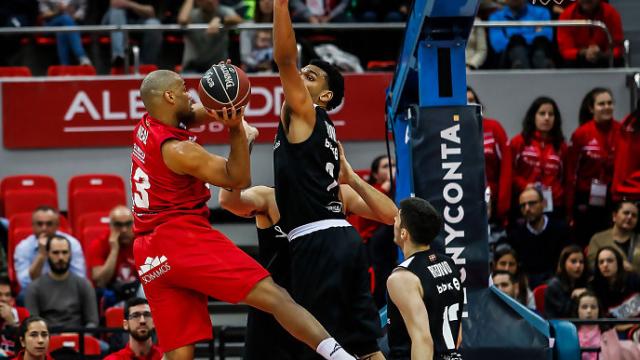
158,193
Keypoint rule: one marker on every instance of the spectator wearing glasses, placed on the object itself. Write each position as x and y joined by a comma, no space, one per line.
139,324
30,256
539,239
111,258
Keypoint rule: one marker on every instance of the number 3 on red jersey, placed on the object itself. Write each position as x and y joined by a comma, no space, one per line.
140,194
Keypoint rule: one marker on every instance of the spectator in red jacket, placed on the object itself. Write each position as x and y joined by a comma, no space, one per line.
497,163
539,154
34,339
626,177
590,167
588,46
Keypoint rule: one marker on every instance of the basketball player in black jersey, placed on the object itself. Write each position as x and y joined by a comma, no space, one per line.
329,265
266,339
425,290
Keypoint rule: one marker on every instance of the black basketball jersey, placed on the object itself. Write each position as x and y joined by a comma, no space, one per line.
273,254
443,298
306,175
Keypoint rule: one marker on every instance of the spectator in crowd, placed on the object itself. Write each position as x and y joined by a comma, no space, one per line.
381,10
66,13
142,12
138,322
15,14
34,339
497,158
586,47
626,176
320,11
588,308
522,47
539,239
539,154
10,317
256,47
30,256
616,288
506,258
587,105
590,167
205,48
476,51
570,281
621,237
506,282
111,258
60,296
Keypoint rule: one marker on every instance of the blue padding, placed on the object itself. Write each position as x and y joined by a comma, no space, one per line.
567,345
532,318
383,316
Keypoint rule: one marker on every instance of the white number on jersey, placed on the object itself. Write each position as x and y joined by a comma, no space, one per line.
329,167
140,195
450,314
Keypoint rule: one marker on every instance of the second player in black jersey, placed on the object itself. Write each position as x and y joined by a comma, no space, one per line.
424,314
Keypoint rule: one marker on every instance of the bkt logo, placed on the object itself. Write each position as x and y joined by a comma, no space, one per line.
153,268
444,287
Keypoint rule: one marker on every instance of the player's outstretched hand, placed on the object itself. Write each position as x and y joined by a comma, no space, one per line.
346,171
230,117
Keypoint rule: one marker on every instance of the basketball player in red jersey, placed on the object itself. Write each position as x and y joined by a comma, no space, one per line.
181,259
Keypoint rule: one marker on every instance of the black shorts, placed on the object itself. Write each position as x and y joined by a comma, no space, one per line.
266,339
330,278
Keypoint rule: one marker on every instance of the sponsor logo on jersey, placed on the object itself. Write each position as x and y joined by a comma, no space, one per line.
432,257
331,131
444,287
137,152
281,234
276,144
334,206
143,134
153,268
440,269
331,147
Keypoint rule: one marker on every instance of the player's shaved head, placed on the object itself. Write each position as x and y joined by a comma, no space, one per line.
155,84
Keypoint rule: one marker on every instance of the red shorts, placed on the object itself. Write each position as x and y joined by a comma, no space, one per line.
181,263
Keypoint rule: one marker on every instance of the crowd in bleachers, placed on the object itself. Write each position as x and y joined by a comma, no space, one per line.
194,51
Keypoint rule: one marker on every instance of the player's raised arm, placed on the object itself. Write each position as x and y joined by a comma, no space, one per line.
187,157
298,102
404,290
247,203
362,199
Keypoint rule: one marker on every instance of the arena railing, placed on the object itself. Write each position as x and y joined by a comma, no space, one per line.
126,29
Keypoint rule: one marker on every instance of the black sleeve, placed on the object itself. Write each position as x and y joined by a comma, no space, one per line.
556,302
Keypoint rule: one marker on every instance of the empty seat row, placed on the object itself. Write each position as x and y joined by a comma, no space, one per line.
70,70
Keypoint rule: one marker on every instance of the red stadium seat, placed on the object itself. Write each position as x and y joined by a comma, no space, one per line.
538,295
144,69
71,70
9,71
27,183
90,234
114,317
91,344
21,201
99,218
94,193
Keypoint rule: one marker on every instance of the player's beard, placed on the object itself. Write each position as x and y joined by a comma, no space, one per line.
188,116
142,337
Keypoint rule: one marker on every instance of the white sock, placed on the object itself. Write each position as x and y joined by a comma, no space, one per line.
331,350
